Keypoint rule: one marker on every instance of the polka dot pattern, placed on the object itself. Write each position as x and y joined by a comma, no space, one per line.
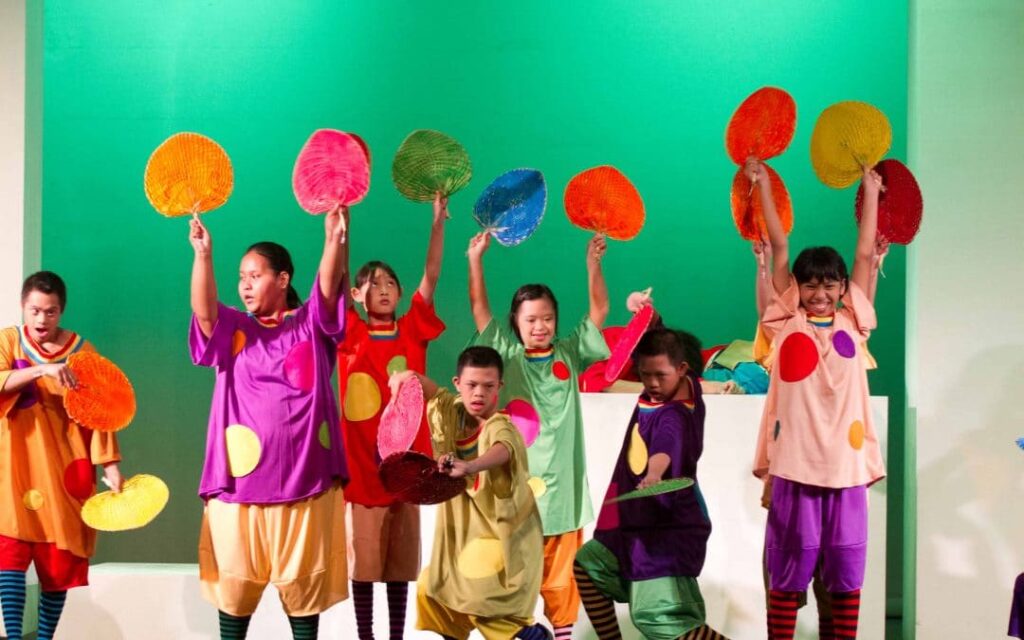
244,449
397,364
538,486
29,394
362,397
481,558
237,342
857,434
844,344
560,370
325,436
798,357
78,478
637,455
33,499
298,366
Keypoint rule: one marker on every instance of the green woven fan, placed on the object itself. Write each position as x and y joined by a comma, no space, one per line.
665,486
429,161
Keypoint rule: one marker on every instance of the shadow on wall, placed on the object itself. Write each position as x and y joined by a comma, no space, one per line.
971,494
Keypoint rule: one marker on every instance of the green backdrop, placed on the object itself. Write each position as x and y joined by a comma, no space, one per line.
561,87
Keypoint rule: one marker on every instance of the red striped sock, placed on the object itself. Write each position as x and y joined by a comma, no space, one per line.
398,595
362,599
782,606
845,612
826,629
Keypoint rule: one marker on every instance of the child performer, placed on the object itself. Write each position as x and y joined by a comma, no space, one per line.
385,533
274,465
485,569
648,552
46,460
817,440
544,371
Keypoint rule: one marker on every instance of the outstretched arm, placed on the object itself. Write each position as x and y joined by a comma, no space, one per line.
656,468
396,381
494,457
204,286
477,287
595,280
435,250
865,255
756,173
334,260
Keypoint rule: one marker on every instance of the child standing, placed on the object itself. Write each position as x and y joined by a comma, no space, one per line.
46,461
648,552
385,533
274,465
485,568
543,371
817,440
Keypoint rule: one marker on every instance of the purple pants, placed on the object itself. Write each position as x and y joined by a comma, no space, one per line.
1017,609
807,524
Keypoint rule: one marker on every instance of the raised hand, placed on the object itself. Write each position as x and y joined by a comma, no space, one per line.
199,237
596,248
440,208
478,245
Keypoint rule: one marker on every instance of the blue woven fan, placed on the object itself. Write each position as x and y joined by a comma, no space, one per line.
512,206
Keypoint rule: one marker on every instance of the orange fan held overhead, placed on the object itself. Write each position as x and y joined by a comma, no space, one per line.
603,200
762,127
188,174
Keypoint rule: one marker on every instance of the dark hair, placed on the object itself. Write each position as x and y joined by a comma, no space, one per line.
821,264
530,292
481,357
679,346
279,260
367,270
46,282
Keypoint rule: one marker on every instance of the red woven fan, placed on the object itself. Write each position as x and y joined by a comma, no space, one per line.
601,199
414,478
900,206
401,419
747,213
762,126
630,337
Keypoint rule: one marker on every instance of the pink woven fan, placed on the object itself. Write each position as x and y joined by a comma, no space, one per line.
401,419
525,418
900,206
333,168
630,337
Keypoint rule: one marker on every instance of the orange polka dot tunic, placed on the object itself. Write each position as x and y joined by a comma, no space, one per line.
46,460
817,427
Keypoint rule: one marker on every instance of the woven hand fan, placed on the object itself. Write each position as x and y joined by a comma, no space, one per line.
601,199
657,489
628,339
142,498
525,418
104,399
762,126
747,213
400,421
512,206
332,169
413,477
430,161
847,137
188,173
900,206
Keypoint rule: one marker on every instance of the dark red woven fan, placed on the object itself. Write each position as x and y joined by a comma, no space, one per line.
900,206
413,477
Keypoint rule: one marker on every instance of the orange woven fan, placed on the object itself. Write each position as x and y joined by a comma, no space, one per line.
762,126
601,199
104,399
188,173
746,206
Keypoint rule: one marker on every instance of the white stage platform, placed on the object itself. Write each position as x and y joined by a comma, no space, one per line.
162,601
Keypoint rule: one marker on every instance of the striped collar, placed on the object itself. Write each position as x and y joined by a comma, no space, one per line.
540,355
40,355
648,406
276,320
821,321
383,331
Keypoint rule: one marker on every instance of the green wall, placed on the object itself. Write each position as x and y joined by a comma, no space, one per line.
646,86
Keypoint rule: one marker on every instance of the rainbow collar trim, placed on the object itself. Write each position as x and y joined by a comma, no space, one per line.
274,321
467,447
384,331
37,354
649,406
540,355
821,321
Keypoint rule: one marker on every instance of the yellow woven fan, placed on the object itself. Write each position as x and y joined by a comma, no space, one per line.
848,137
142,498
188,173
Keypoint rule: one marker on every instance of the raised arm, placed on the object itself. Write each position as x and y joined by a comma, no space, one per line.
334,260
495,456
435,250
881,250
595,280
204,286
763,281
757,174
477,287
865,255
